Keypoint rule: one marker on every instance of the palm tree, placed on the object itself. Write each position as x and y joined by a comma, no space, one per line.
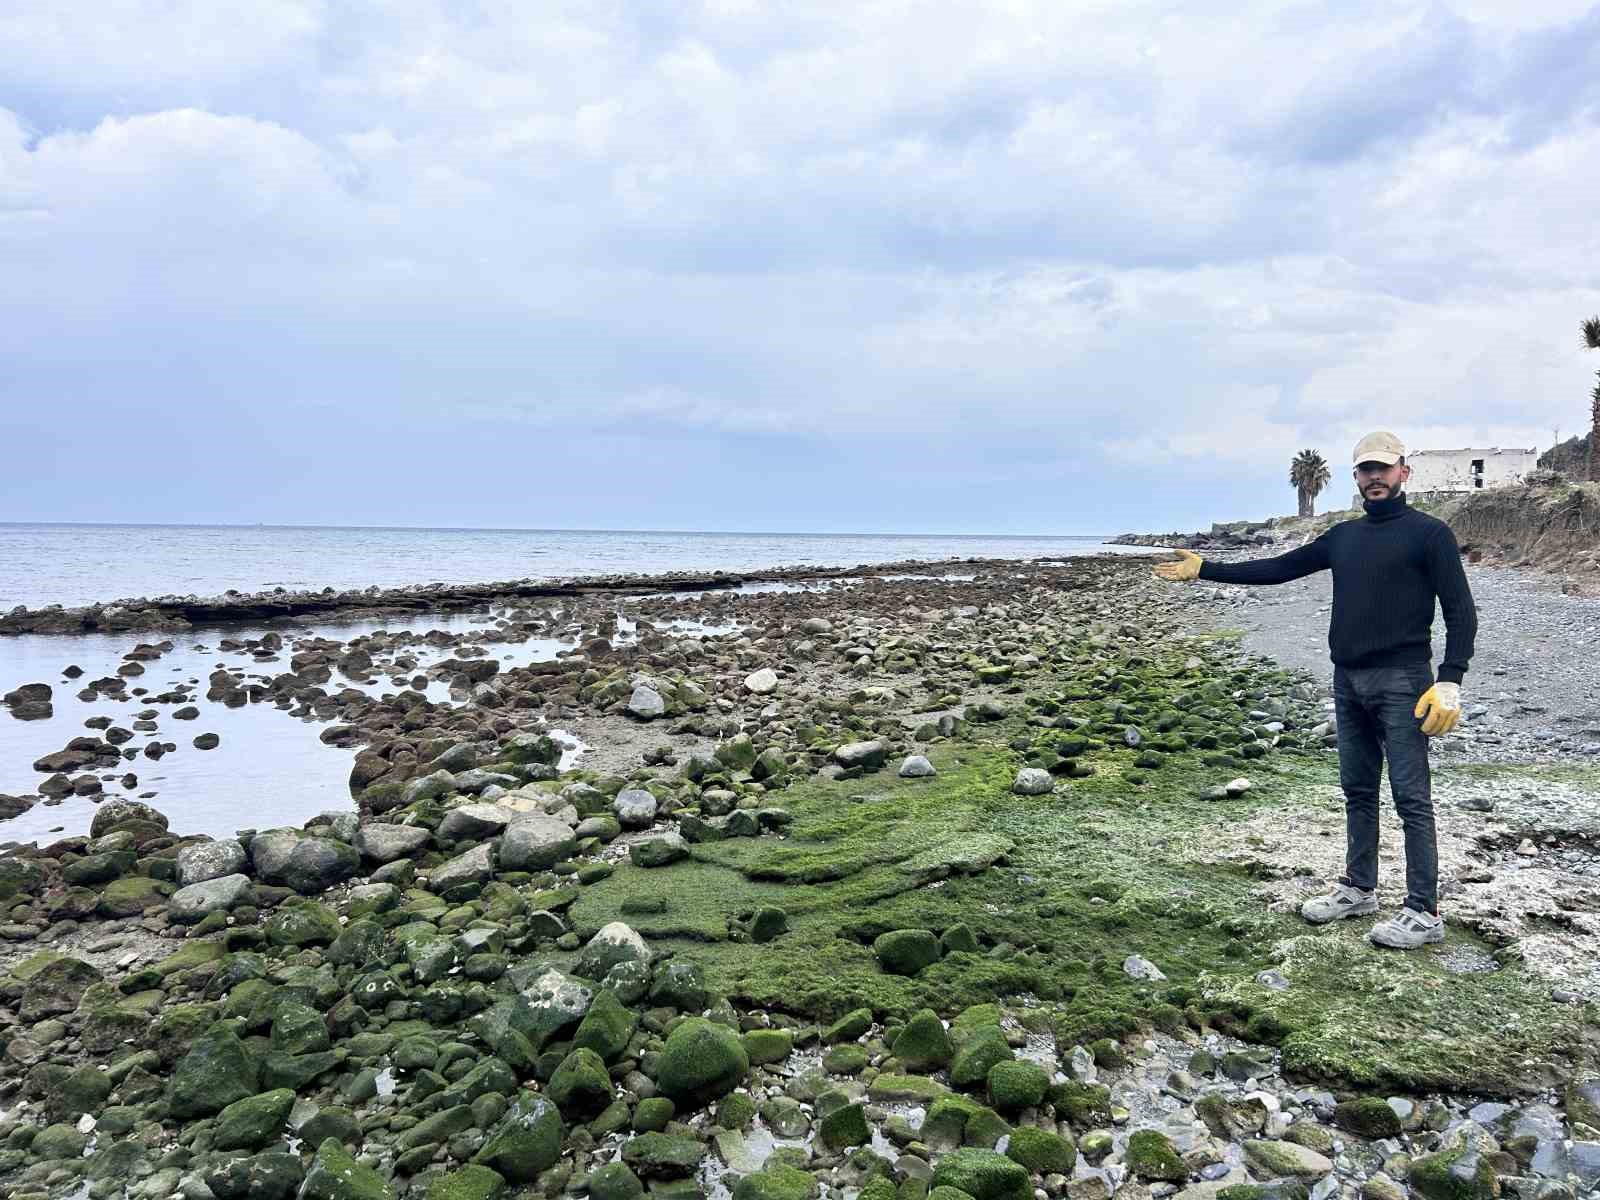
1309,475
1591,341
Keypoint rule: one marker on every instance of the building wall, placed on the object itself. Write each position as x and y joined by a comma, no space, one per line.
1466,470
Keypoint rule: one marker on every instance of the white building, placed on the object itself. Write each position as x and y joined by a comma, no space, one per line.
1467,470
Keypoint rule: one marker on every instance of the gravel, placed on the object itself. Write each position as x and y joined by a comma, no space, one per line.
1532,693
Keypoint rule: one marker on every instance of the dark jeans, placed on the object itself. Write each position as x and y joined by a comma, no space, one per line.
1373,707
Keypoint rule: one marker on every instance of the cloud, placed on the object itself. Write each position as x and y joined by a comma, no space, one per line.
959,245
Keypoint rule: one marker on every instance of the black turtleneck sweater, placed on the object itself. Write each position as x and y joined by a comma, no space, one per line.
1388,568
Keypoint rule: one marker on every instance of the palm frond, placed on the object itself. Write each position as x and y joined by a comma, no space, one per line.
1591,333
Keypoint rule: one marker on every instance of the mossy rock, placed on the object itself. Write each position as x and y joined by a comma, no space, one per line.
984,1175
1041,1151
946,1122
736,1111
1460,1174
663,1155
701,1061
923,1045
849,1027
846,1126
1085,1105
131,895
906,951
982,1051
1152,1157
655,1113
845,1060
614,1181
1367,1116
777,1183
303,923
335,1175
253,1122
580,1085
606,1027
764,1046
471,1182
216,1071
1017,1084
526,1142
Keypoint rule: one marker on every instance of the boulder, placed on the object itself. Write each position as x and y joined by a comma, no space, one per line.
209,860
190,904
614,943
383,843
534,842
701,1062
868,756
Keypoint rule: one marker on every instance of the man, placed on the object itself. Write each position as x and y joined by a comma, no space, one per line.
1388,569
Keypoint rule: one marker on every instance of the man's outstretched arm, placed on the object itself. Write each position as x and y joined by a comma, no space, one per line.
1306,560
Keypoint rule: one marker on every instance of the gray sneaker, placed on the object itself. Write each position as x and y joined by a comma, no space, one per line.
1407,930
1343,901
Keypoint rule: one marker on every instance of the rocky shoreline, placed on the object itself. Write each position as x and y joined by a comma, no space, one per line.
178,613
978,888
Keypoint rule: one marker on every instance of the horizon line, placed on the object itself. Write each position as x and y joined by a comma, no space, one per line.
533,529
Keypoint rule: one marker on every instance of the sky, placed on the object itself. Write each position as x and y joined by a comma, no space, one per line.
1017,266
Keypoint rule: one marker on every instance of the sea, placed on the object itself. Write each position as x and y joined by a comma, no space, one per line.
271,768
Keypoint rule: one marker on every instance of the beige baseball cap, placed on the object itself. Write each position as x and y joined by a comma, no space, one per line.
1379,447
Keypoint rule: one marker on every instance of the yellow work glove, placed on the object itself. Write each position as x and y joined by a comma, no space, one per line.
1439,709
1186,568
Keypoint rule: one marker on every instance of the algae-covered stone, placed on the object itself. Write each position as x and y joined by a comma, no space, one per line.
1153,1158
663,1155
1286,1159
846,1126
765,1046
606,1027
614,1181
129,896
945,1125
978,1056
681,985
580,1085
916,1088
612,944
984,1175
1042,1151
254,1121
527,1141
335,1175
299,1029
777,1182
768,923
471,1182
700,1062
58,1141
303,923
849,1027
845,1060
1461,1174
906,951
1086,1105
1367,1116
1583,1102
923,1045
215,1072
655,1113
660,851
1016,1085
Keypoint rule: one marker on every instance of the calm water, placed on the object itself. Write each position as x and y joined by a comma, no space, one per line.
80,564
271,768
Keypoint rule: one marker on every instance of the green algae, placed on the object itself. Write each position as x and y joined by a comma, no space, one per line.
1066,886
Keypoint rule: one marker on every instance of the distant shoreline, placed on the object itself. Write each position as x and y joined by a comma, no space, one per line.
178,613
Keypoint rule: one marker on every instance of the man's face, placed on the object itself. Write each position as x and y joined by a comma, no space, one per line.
1379,481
